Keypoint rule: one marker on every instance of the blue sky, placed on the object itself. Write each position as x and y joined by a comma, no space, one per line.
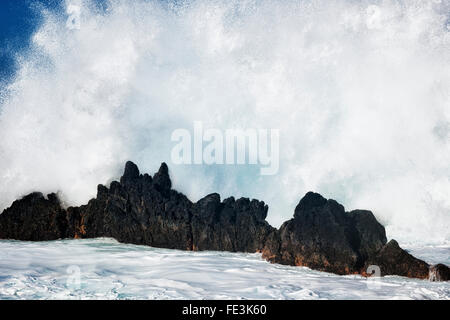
18,20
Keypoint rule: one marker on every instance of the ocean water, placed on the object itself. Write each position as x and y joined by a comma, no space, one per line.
105,269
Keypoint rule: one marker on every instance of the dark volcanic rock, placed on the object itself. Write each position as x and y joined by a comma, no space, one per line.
439,272
323,236
130,173
367,234
141,209
393,260
231,225
161,179
34,218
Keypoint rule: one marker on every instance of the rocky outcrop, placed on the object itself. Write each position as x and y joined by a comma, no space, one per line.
392,259
34,218
325,237
230,225
142,209
139,209
145,210
439,272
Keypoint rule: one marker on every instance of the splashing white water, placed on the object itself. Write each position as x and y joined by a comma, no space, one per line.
359,91
105,269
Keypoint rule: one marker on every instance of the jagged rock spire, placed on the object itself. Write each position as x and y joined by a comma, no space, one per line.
131,172
161,179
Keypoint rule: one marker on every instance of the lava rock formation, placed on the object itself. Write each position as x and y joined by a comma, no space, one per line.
145,210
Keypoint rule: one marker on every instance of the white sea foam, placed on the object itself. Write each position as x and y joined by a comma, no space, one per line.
358,89
109,270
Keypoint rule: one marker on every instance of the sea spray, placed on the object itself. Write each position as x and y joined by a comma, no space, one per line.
359,91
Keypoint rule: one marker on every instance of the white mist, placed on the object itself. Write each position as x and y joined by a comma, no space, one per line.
359,91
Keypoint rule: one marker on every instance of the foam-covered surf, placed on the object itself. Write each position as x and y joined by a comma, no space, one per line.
106,269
